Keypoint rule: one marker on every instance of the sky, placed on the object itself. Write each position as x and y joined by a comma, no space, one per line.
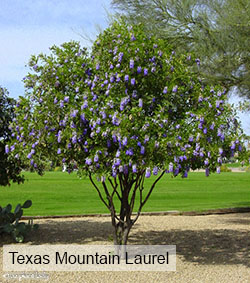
30,27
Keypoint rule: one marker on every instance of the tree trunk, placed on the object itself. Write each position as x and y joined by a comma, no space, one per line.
121,232
124,223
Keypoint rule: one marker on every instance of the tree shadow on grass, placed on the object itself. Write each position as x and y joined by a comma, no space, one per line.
206,246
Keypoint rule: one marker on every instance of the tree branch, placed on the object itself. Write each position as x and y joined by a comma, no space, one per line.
151,189
98,191
142,203
111,204
137,184
114,186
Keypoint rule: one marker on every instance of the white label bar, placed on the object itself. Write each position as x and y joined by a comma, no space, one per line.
89,258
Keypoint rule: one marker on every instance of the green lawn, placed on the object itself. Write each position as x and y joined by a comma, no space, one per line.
58,193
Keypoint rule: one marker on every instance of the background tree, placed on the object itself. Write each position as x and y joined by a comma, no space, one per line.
217,31
9,168
130,110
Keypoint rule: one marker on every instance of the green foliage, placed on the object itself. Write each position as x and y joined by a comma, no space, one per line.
58,86
10,222
47,167
121,110
10,168
224,168
58,169
216,31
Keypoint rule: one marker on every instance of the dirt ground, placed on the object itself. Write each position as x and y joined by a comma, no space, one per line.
213,248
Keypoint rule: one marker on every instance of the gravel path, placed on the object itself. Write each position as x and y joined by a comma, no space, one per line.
213,248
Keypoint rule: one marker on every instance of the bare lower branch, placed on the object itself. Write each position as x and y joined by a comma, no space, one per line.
120,181
151,189
114,186
142,203
107,194
98,191
119,219
139,210
138,182
111,204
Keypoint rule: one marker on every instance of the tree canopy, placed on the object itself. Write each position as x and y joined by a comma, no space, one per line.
131,109
217,31
9,168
